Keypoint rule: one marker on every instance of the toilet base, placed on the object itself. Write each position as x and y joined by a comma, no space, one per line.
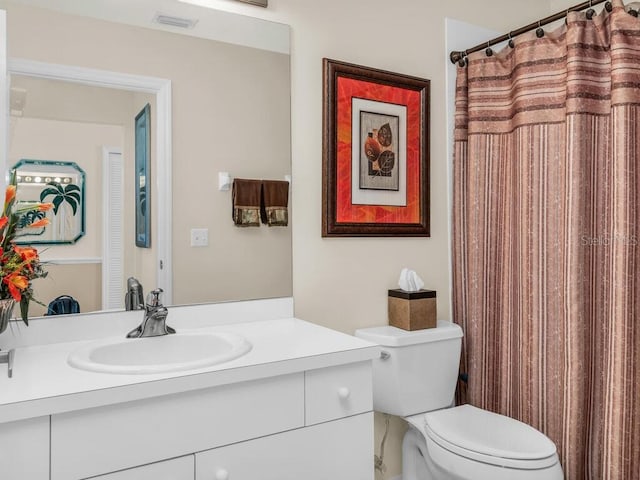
415,458
418,464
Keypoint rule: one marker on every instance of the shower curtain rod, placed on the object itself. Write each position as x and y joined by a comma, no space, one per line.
457,56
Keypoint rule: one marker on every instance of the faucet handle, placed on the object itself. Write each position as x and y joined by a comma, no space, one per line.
153,299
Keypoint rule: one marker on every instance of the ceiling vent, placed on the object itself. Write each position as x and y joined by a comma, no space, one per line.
213,3
174,21
260,3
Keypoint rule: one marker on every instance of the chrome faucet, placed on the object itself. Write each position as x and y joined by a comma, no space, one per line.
134,298
154,323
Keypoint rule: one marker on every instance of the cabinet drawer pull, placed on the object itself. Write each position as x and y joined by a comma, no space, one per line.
222,474
343,393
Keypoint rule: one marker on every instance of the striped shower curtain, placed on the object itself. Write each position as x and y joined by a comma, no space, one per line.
547,238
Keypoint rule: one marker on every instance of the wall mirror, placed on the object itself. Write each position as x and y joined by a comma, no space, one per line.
229,110
59,183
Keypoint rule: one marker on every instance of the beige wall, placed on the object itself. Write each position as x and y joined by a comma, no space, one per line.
342,283
68,121
43,139
85,281
72,122
215,87
559,5
56,100
46,139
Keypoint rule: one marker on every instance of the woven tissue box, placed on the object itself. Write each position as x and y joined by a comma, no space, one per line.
412,310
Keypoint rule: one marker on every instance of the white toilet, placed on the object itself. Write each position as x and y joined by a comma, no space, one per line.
415,378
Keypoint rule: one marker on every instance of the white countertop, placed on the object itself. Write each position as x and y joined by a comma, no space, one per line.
44,383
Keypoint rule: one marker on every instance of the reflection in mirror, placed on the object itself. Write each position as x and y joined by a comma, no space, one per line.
59,183
142,160
94,126
230,112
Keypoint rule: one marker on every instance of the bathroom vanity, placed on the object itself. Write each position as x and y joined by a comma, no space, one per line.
297,405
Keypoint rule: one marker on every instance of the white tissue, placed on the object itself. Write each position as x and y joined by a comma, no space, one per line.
409,281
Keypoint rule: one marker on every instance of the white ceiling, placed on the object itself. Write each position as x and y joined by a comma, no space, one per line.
214,24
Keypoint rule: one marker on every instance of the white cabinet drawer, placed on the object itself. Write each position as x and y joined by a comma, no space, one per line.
339,450
24,449
337,392
116,437
177,469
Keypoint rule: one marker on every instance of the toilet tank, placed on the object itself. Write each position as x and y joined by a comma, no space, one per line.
417,370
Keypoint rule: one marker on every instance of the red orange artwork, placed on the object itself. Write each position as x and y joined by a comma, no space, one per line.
376,144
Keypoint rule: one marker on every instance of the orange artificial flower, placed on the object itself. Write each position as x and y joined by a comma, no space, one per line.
40,223
26,253
16,284
10,194
19,265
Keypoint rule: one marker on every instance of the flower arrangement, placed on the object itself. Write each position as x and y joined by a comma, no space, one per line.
19,265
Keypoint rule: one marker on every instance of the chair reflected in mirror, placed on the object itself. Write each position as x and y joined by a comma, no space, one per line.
63,305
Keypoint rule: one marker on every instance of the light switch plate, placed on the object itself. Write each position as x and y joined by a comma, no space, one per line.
199,237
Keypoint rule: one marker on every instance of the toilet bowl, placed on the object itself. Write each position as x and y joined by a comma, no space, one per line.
466,442
415,378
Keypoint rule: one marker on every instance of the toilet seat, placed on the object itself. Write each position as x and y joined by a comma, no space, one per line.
490,438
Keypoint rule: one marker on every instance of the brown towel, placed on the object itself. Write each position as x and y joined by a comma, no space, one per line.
275,202
246,202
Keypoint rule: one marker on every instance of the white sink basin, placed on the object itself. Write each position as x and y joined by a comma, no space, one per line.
168,353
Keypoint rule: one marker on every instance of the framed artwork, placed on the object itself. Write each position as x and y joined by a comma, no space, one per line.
375,174
57,182
142,178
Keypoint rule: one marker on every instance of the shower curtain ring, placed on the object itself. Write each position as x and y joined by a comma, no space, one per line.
512,44
488,52
540,30
463,59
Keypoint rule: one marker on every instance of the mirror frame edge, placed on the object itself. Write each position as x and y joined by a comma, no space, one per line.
160,87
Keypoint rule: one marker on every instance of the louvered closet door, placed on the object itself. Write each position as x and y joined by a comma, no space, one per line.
113,234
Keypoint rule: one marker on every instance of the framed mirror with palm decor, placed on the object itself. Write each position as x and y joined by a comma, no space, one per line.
58,183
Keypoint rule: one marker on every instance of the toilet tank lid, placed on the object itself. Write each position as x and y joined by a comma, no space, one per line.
396,337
